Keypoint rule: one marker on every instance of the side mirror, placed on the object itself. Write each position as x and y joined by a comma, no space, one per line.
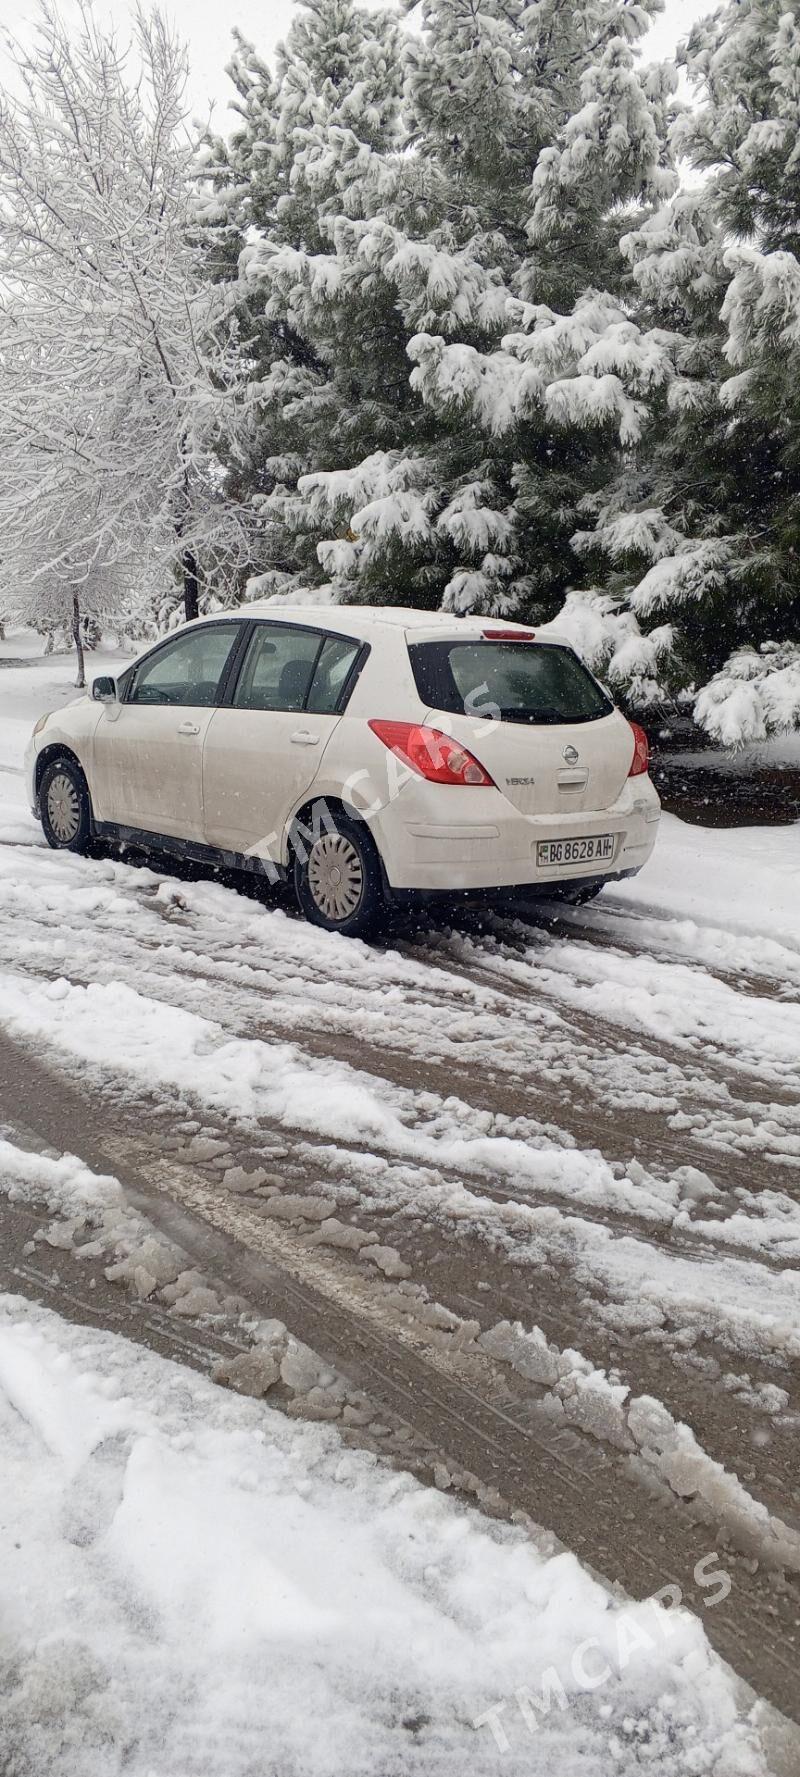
104,690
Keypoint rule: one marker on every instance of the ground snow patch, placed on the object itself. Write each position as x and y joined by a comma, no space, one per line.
740,879
193,1583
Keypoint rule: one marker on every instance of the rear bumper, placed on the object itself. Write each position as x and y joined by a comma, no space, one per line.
497,848
519,897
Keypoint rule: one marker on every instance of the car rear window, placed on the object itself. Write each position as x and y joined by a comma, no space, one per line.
533,682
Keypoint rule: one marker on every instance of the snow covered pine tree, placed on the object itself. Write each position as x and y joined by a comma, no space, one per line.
331,375
431,423
703,523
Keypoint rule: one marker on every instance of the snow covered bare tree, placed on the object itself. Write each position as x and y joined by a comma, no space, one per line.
119,362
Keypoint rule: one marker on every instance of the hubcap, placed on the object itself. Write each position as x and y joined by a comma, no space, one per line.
63,807
335,876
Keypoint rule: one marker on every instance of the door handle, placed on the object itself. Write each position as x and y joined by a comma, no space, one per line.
303,737
189,728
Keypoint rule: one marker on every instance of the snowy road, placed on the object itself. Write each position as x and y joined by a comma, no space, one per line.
530,1193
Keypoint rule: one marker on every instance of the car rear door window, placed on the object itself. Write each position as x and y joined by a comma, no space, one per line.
187,670
508,681
334,666
278,668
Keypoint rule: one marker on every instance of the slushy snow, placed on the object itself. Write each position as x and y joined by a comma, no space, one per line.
192,1583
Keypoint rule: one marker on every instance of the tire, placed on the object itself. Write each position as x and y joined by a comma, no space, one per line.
351,902
64,807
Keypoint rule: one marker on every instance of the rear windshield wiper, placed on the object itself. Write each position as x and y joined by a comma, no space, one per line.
546,716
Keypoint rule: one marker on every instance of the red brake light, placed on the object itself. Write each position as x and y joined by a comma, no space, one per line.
509,635
431,754
641,751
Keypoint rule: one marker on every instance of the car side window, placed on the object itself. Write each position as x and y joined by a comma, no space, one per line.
187,670
336,661
278,668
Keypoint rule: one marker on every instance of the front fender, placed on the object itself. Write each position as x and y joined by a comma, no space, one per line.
61,737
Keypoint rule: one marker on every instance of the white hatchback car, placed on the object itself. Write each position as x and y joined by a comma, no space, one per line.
372,754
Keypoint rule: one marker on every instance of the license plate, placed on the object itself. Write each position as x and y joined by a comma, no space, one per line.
598,850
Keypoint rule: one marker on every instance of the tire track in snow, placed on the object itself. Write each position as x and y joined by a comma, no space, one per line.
583,1490
571,1267
543,1053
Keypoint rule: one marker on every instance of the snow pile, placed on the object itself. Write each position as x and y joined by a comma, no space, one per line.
64,1184
192,1582
719,1496
278,1357
95,1221
597,1403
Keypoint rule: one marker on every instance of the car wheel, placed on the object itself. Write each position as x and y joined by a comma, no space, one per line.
337,878
65,808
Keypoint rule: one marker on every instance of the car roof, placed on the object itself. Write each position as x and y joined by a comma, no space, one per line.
361,621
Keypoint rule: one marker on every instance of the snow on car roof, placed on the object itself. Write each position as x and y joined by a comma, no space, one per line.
361,620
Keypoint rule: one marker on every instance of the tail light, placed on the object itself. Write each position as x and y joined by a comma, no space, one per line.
431,754
641,751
